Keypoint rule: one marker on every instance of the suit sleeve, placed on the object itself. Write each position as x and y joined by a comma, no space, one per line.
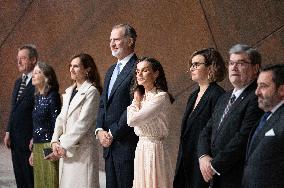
14,95
101,108
100,113
204,142
119,129
234,151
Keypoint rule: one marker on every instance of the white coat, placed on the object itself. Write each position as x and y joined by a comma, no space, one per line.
74,129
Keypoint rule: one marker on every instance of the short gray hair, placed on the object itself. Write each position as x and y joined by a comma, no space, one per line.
252,53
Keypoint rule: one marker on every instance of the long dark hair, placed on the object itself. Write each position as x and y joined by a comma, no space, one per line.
160,82
93,74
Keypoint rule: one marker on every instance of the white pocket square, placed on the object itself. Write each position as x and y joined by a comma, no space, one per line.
270,133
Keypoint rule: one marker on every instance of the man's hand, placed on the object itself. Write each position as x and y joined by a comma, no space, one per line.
105,138
7,141
31,159
205,168
31,144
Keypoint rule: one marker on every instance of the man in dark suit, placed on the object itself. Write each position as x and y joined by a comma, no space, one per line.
117,138
222,143
265,152
20,125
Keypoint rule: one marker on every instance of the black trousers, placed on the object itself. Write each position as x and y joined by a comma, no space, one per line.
119,174
22,169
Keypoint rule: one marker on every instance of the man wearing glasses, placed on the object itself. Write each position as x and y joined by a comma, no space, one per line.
20,125
222,143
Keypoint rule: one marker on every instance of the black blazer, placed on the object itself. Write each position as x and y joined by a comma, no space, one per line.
226,144
192,124
112,113
265,159
20,123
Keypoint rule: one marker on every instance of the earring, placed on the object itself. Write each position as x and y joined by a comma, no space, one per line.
209,77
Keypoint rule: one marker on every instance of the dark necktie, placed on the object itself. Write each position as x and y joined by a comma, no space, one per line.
230,103
22,86
260,125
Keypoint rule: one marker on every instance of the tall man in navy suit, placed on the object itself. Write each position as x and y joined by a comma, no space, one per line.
265,152
20,125
222,143
117,138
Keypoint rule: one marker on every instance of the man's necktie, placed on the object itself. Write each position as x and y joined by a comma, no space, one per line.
260,125
22,86
231,101
115,73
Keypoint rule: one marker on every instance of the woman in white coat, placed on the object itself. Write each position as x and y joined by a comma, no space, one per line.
73,139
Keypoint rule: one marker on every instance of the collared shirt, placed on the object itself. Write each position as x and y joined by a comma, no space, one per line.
124,61
238,92
29,75
275,108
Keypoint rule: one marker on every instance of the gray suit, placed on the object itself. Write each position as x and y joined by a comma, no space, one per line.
265,157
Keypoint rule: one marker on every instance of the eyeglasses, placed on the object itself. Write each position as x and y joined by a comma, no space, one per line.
195,65
23,58
239,63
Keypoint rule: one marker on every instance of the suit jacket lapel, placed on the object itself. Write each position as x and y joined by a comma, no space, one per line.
78,98
236,104
189,108
266,127
127,69
221,109
199,108
28,87
15,92
107,81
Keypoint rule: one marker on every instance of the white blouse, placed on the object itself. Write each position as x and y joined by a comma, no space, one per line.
152,119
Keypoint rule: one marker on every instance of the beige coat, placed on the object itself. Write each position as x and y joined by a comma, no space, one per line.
74,129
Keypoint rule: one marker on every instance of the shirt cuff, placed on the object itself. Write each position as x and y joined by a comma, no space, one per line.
109,132
215,171
96,132
202,156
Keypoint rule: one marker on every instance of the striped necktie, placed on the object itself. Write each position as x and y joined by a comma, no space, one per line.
230,103
22,86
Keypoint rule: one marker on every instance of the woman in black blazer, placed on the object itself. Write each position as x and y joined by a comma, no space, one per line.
206,68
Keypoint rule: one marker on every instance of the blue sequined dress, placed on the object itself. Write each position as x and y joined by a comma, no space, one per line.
46,109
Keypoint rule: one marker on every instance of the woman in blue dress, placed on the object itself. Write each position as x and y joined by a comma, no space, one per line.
46,108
